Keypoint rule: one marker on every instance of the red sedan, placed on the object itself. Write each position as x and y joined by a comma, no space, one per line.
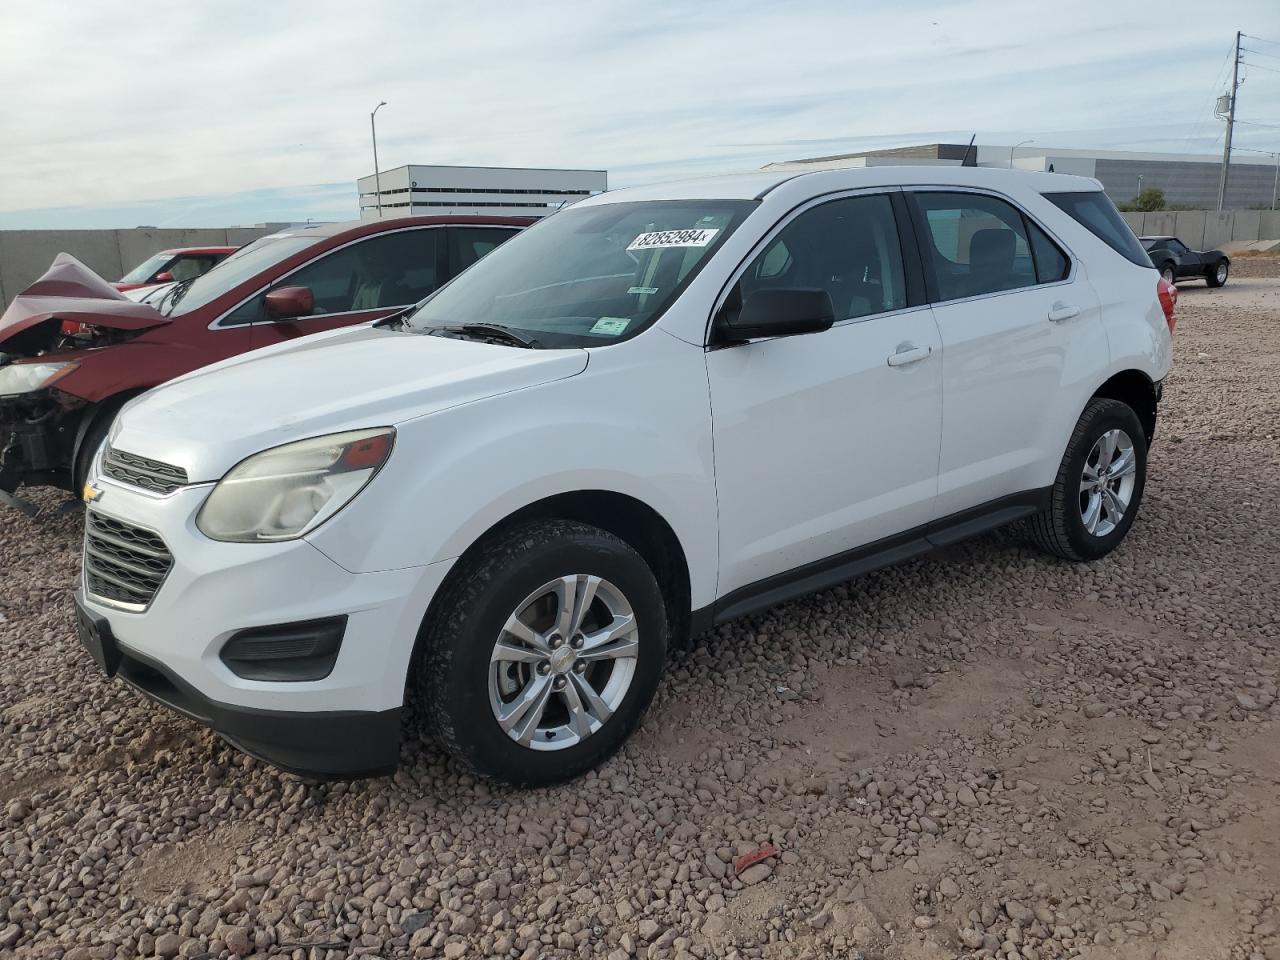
181,263
73,350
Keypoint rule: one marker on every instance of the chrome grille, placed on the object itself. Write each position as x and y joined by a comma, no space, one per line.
123,564
142,472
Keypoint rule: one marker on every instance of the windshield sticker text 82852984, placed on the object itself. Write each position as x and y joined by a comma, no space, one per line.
673,238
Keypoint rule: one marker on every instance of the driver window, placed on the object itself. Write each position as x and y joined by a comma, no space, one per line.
848,247
389,270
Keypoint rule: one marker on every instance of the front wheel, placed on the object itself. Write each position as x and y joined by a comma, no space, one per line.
1099,484
1217,276
543,652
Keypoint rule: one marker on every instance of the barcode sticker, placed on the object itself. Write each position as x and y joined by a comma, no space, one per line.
673,238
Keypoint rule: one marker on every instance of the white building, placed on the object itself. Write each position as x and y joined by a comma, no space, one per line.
485,191
1187,180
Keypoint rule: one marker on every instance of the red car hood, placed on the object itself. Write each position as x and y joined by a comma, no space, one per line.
72,292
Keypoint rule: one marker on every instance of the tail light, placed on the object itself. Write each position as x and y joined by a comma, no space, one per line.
72,329
1167,293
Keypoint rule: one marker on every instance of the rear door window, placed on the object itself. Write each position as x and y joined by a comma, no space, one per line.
471,243
1094,211
1052,264
975,243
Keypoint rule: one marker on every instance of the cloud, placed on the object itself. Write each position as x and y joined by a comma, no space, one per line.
113,103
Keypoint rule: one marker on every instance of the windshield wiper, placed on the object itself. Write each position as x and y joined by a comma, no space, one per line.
489,332
175,293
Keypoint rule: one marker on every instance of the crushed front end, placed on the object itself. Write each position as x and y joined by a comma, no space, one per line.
38,435
58,325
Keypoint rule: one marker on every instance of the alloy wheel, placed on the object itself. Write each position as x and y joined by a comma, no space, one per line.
563,662
1222,273
1106,486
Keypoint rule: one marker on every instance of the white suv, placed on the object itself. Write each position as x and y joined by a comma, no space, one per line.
654,411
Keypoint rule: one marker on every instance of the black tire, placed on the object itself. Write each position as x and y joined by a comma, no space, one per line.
483,590
1212,278
1169,271
93,438
1060,529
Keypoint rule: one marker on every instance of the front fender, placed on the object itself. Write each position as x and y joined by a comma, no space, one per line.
637,422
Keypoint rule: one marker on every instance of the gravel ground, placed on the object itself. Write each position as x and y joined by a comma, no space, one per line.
982,753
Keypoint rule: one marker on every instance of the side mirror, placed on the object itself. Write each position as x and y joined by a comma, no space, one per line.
164,276
778,313
286,303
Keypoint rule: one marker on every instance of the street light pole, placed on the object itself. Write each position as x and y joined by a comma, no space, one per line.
1015,147
377,176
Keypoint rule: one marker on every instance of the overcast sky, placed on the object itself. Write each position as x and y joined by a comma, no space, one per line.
200,114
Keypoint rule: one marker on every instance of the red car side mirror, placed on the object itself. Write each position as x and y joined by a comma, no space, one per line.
286,303
164,276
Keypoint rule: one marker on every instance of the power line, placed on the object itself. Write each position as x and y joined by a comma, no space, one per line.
1262,39
1260,53
1258,66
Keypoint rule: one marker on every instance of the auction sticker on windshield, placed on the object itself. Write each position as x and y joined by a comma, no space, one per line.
673,238
610,326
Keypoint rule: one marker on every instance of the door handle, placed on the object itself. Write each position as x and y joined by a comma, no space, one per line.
1061,311
908,353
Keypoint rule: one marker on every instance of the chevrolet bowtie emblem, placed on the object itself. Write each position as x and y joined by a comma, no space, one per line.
91,494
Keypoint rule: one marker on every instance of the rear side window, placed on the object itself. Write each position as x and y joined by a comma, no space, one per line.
1094,211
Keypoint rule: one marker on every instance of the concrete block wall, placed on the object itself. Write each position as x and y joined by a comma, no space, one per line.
1207,229
26,254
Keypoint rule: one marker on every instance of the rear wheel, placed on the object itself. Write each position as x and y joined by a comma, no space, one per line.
544,651
1099,484
1217,275
1169,272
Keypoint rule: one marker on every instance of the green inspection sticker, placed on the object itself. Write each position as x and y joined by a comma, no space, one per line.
610,326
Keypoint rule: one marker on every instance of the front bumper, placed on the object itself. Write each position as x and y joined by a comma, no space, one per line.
331,744
38,436
343,725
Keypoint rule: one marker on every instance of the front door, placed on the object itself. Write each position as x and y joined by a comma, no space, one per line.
827,442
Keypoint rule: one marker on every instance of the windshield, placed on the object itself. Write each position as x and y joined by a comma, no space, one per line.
588,276
245,263
147,268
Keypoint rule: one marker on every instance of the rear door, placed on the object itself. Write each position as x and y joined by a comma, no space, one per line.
1021,331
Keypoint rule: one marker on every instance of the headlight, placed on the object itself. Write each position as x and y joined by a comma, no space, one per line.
283,493
16,378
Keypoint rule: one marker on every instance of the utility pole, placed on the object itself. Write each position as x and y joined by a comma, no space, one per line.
1275,187
1231,121
377,176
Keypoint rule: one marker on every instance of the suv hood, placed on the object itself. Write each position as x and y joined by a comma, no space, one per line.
210,420
70,291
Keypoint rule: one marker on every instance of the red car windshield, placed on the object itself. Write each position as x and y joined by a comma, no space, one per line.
147,268
244,264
